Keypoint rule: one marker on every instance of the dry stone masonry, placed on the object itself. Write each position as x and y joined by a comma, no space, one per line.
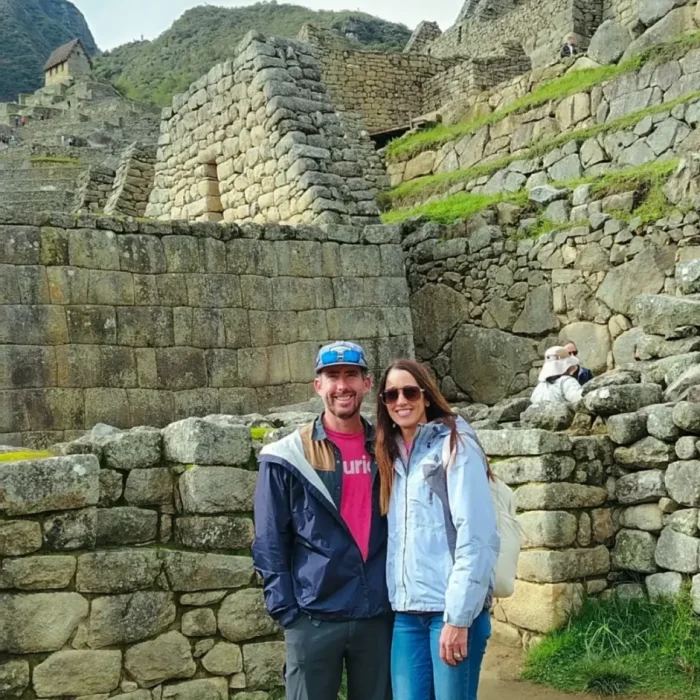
133,182
257,139
125,568
132,323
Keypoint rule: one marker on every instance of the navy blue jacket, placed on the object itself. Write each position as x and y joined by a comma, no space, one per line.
584,375
304,551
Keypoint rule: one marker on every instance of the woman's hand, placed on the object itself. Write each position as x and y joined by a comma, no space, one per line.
453,644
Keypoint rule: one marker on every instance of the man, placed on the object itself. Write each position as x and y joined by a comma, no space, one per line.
570,48
582,375
320,541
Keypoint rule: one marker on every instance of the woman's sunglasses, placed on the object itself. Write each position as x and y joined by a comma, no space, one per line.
410,393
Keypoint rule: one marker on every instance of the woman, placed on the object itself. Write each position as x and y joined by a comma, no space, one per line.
557,381
440,587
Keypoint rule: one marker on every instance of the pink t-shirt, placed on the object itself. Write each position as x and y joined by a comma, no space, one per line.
356,498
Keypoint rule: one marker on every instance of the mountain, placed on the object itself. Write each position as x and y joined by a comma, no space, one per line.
205,36
29,31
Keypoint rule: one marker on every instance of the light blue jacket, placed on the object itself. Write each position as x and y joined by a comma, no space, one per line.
421,574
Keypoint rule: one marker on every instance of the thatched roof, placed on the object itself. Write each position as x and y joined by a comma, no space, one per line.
63,53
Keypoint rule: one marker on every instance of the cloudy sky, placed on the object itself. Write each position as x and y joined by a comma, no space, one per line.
115,22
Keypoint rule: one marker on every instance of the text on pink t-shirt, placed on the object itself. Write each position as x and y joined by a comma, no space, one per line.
356,497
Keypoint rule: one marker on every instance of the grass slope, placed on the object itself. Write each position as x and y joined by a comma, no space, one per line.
29,31
623,647
569,84
204,36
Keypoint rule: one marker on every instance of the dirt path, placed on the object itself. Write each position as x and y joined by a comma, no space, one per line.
499,680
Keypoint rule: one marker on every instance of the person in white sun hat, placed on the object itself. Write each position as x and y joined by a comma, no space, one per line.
556,381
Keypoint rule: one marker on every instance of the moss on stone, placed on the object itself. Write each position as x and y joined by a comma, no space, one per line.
24,455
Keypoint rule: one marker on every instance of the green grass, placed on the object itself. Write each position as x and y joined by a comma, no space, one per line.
408,193
23,455
58,160
557,89
623,646
259,433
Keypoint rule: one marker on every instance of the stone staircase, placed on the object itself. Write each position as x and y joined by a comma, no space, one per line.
38,185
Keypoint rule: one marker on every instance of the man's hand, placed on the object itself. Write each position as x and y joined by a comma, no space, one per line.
453,644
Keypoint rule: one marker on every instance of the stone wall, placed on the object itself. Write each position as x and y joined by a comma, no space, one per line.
485,295
652,138
94,189
133,182
126,569
258,139
132,323
626,12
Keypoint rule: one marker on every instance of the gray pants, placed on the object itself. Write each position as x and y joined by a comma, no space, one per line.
316,651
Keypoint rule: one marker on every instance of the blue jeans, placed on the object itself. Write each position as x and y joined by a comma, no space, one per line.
418,673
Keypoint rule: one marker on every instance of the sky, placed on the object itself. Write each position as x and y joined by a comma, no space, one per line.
115,22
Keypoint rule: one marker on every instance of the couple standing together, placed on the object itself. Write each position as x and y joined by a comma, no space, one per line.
351,541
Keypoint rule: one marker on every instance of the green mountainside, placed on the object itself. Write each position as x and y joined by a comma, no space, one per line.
204,36
29,31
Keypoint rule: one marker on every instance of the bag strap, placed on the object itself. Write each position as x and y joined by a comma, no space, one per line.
448,458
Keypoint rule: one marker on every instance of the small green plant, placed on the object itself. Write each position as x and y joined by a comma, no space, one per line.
259,433
623,646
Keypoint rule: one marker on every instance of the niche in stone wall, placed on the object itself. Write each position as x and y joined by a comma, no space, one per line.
208,192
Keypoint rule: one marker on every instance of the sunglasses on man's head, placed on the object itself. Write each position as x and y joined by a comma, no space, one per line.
410,393
345,355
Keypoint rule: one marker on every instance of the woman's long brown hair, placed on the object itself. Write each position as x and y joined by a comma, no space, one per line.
386,447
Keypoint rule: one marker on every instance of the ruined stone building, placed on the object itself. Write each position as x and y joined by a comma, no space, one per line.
67,62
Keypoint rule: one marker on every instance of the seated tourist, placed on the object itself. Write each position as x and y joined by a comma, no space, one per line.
570,48
556,380
582,374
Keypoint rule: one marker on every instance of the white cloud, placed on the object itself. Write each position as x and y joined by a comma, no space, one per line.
115,22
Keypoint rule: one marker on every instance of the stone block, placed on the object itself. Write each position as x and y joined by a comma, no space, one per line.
360,261
109,406
521,470
78,673
360,323
165,658
634,551
548,529
119,526
215,291
19,537
208,490
142,254
515,443
14,678
223,660
139,448
540,608
117,571
20,245
243,616
222,368
437,310
664,586
259,367
237,331
203,689
94,250
107,288
683,482
199,623
32,325
181,368
642,487
145,326
125,619
39,622
93,325
558,496
628,398
686,415
68,285
190,571
181,254
27,366
263,664
563,565
293,294
678,552
149,407
72,530
221,533
172,289
299,259
37,573
626,428
250,257
196,402
197,441
648,453
59,483
647,516
273,327
149,487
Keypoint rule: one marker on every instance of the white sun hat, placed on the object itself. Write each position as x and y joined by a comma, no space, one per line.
556,362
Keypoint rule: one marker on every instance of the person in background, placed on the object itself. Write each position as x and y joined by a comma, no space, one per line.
320,541
570,48
556,381
582,374
439,587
